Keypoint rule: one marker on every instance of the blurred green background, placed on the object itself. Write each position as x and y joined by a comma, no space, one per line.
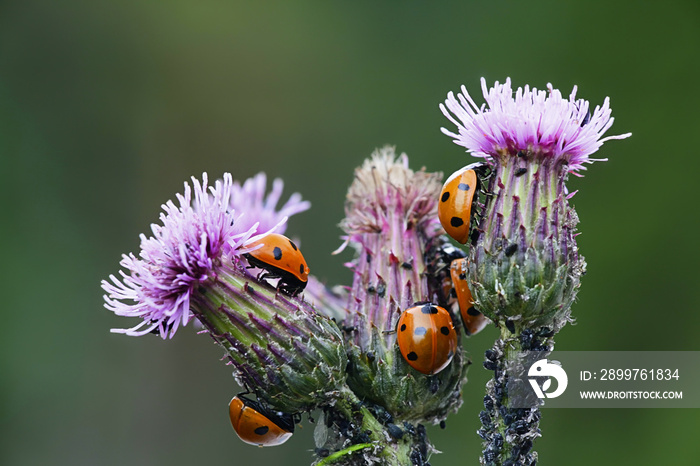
107,107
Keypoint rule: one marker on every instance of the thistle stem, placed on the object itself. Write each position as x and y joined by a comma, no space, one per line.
509,432
350,420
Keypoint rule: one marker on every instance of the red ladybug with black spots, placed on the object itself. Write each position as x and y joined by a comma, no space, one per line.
256,425
280,258
458,200
427,338
474,321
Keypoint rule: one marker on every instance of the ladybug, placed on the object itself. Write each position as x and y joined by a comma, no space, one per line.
280,258
458,200
474,321
427,338
256,425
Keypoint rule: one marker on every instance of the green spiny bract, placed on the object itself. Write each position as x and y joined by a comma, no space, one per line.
281,348
525,267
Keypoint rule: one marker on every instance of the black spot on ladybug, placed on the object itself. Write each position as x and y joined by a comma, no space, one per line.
472,311
262,430
412,356
520,172
510,250
445,330
462,276
403,327
463,187
301,269
294,246
277,252
445,196
420,331
456,222
429,309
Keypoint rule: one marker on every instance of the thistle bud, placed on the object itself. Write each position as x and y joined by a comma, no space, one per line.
391,215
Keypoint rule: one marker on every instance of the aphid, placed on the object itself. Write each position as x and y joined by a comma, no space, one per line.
474,321
259,426
426,337
458,200
395,431
280,258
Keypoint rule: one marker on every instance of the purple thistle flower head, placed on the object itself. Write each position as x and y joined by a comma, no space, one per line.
250,199
194,237
540,122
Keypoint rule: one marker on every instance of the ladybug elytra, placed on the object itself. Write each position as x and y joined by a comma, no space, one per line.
258,426
474,321
280,258
426,337
458,200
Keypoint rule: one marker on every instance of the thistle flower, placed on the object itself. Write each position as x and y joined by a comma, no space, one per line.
391,215
182,253
250,199
541,123
524,268
194,265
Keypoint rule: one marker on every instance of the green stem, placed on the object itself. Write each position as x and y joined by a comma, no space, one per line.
351,419
341,453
